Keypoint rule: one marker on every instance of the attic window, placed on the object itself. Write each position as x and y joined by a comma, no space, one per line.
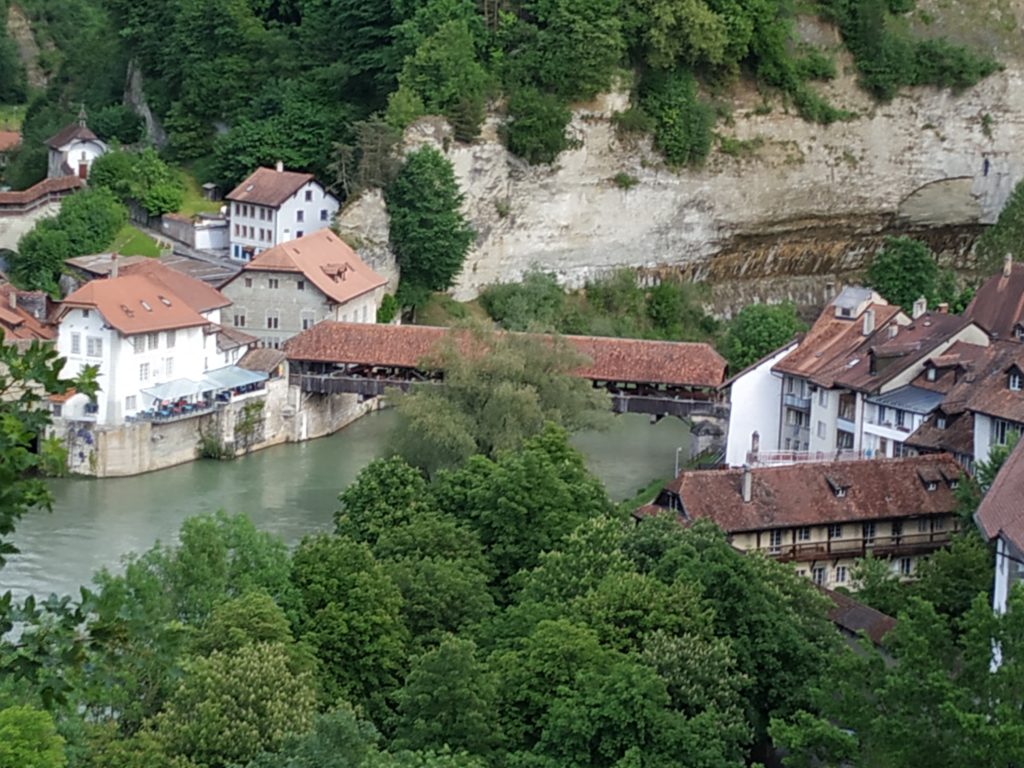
250,188
1015,381
931,374
940,422
838,487
336,272
127,310
845,312
951,480
145,305
165,301
930,478
1019,332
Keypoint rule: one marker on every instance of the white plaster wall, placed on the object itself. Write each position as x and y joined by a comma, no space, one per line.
287,226
187,356
982,437
12,228
754,407
73,154
76,321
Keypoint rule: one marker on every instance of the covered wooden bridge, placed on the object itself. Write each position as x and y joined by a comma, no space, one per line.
660,378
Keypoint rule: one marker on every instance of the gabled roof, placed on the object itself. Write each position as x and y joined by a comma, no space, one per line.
998,306
854,617
270,187
67,134
134,304
685,364
266,359
1001,511
231,338
44,187
17,326
803,494
957,437
325,260
985,387
831,343
202,297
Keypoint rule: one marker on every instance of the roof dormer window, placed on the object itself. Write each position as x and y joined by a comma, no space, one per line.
940,422
1015,380
839,487
931,478
930,375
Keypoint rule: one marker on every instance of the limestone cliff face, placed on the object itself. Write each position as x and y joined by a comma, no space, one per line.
798,211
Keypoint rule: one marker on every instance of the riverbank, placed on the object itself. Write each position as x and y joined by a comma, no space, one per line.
290,490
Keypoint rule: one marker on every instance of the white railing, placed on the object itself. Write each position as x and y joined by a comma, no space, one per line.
777,458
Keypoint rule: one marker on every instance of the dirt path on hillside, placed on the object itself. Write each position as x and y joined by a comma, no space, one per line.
20,31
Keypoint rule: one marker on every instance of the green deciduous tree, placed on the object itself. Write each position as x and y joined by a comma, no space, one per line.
757,330
142,177
87,223
351,616
498,391
26,377
1005,237
903,271
536,125
387,493
29,739
231,706
682,122
428,234
449,699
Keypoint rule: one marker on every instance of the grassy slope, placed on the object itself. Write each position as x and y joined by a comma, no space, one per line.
130,241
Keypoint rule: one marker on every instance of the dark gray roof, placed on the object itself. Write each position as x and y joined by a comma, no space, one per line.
852,296
909,398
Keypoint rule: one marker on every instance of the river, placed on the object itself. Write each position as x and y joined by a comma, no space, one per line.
290,490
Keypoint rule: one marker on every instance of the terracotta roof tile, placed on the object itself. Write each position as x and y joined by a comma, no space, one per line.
326,261
1002,509
266,360
618,360
856,617
9,140
17,326
984,387
957,437
998,306
202,297
266,186
803,494
134,304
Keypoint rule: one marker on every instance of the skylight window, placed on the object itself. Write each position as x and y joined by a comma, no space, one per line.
145,305
165,301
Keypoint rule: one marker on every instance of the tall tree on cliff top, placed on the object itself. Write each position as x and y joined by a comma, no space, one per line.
429,235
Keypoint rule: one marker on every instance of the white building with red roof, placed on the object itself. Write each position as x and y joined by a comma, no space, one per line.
73,149
273,206
293,286
156,339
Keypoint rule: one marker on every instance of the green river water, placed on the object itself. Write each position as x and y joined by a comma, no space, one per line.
290,490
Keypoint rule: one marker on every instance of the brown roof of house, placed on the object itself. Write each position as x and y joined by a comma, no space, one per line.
802,494
894,354
202,297
44,187
855,617
69,133
984,387
17,326
134,304
326,261
830,344
617,360
9,140
231,338
998,306
1002,509
266,360
266,186
957,437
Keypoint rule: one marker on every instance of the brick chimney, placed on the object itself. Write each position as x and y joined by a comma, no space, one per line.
12,298
920,307
113,266
1007,265
943,308
747,484
279,166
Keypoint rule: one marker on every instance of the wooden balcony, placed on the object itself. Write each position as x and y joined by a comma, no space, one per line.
879,546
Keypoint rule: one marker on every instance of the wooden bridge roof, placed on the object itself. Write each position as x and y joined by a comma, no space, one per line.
615,360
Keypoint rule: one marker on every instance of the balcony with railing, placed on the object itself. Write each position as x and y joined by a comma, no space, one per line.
792,400
879,546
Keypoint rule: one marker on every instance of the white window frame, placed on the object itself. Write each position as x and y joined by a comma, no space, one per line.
835,531
153,340
143,371
1015,381
129,403
823,397
775,541
94,346
804,533
76,343
840,574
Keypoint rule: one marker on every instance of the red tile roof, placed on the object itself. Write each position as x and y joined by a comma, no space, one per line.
9,140
18,326
856,617
985,386
802,494
998,306
134,304
1002,509
831,343
618,360
266,186
325,260
202,297
957,437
